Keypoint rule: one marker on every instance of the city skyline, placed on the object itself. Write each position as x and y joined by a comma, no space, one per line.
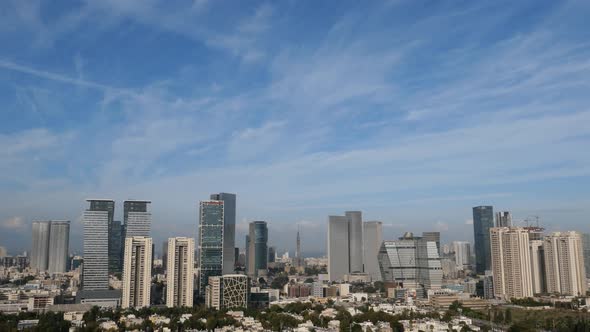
494,113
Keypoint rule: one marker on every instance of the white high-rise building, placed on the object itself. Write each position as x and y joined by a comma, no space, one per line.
564,263
95,275
462,250
59,241
137,272
180,272
372,239
538,266
511,262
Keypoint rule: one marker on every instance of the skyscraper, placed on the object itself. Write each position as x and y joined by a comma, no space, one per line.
298,259
229,229
586,247
116,244
210,241
503,219
483,220
59,241
97,222
271,254
538,266
511,263
345,244
137,272
411,262
355,234
258,251
564,263
338,247
138,220
462,250
180,272
372,239
40,251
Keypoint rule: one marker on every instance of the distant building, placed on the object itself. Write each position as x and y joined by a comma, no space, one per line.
228,291
50,246
586,247
345,244
483,220
564,263
488,285
298,290
298,258
411,262
258,248
503,219
433,237
116,244
272,252
98,219
511,263
538,266
137,272
210,241
180,272
229,229
138,221
373,238
462,250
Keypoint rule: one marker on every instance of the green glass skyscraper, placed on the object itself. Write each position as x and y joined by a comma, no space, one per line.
483,220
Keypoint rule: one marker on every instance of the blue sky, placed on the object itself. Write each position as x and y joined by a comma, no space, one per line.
411,111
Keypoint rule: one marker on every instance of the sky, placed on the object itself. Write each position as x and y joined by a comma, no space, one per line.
410,111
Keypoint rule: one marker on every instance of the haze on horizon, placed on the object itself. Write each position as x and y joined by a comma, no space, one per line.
412,112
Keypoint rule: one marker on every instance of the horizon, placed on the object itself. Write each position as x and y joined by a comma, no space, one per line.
410,113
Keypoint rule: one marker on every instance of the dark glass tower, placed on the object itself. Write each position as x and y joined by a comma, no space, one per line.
116,239
258,252
229,230
483,220
210,241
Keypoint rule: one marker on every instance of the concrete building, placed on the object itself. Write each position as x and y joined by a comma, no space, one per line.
210,241
511,263
503,219
338,247
59,244
229,229
97,220
483,220
258,248
138,221
40,251
462,250
227,291
180,272
586,247
488,285
564,263
355,238
373,237
50,246
538,266
137,272
345,245
412,263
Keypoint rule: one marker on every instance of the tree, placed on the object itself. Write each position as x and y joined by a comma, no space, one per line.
508,316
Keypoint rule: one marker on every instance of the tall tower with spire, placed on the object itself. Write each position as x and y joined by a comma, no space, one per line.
298,253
